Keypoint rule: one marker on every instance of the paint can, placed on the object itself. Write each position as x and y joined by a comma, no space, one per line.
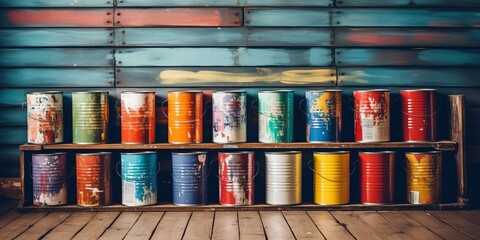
275,116
139,178
372,115
377,174
236,178
189,173
424,177
229,116
49,174
90,117
418,115
283,177
331,181
324,115
138,117
185,112
45,117
94,186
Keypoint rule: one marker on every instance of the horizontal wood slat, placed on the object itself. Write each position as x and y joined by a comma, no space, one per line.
13,117
151,17
223,3
16,135
286,17
55,57
56,3
408,3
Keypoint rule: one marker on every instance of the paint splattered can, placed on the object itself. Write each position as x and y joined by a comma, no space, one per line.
377,174
331,179
185,123
94,186
236,178
275,116
324,115
424,177
283,178
89,117
229,116
45,117
138,117
418,115
189,173
372,115
49,173
139,178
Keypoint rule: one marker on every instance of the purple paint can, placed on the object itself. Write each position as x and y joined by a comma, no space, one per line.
49,173
229,116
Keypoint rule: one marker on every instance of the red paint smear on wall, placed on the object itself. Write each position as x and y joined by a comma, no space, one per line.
377,39
67,18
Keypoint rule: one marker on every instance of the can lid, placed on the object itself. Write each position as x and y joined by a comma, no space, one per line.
186,91
324,90
373,90
276,91
235,153
283,153
428,152
379,152
88,92
419,90
138,153
50,154
93,154
44,92
139,92
188,153
336,152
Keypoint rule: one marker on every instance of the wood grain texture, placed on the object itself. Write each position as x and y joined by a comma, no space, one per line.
20,225
145,225
226,226
43,226
121,226
250,226
56,3
66,57
302,226
409,226
408,3
199,17
356,226
286,17
381,225
172,225
70,226
275,225
13,117
329,226
38,17
458,133
9,216
223,3
16,135
435,225
200,226
461,224
97,226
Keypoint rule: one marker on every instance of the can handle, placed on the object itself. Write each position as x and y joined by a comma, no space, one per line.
37,119
69,175
251,106
120,175
313,170
300,106
258,170
206,176
349,104
190,121
120,115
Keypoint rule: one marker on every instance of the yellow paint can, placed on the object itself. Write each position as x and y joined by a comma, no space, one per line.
424,177
331,181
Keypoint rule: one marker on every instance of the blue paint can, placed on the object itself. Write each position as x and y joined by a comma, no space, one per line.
139,178
324,115
189,173
49,173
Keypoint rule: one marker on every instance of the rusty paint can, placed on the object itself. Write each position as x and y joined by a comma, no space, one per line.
275,116
424,177
331,181
283,178
138,117
189,173
49,173
372,115
377,174
236,178
418,115
324,115
89,117
229,116
45,117
94,179
139,178
185,112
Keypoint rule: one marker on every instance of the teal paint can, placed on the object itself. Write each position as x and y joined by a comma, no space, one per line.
275,116
139,178
89,117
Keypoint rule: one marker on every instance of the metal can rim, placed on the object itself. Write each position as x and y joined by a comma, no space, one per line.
373,90
50,154
276,91
336,152
186,91
229,91
419,90
87,92
138,153
93,154
188,153
427,152
326,90
139,92
283,152
43,92
237,153
379,152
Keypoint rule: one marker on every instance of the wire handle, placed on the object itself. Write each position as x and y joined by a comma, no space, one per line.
120,116
54,119
349,104
120,175
300,106
258,170
251,106
313,170
189,121
199,180
61,181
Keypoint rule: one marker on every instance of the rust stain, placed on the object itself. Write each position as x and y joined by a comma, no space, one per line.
59,18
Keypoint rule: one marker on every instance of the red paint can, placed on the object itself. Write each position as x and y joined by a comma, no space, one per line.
372,115
93,179
377,174
138,117
418,115
236,178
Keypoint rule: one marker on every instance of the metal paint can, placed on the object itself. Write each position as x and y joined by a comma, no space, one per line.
377,174
229,116
236,178
189,173
372,115
138,117
139,178
94,186
283,178
424,177
331,181
185,112
45,117
275,116
418,115
324,115
90,117
49,173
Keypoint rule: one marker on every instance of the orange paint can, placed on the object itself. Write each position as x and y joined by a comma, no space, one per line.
94,186
138,117
185,112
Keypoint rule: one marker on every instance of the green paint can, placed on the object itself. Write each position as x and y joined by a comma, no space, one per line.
275,116
89,117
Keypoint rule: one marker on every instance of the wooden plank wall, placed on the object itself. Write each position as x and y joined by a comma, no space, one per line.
254,44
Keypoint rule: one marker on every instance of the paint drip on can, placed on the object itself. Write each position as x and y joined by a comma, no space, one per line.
49,173
372,115
45,117
138,117
324,115
189,173
89,117
236,178
139,178
229,116
275,116
94,186
424,177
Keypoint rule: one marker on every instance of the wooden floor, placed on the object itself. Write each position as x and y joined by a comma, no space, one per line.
239,225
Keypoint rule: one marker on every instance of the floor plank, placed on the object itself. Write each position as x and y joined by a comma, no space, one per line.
302,225
459,223
68,228
121,226
172,226
275,225
7,204
200,226
356,226
226,226
97,226
20,225
435,225
381,225
410,226
329,226
250,226
145,225
472,216
9,216
43,226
